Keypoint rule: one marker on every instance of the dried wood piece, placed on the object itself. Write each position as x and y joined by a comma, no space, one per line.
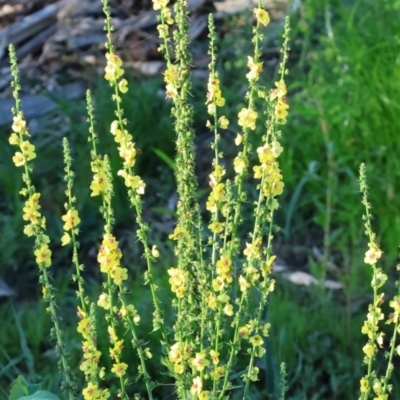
36,105
31,25
197,26
36,42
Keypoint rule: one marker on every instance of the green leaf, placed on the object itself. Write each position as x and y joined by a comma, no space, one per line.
20,388
40,395
166,158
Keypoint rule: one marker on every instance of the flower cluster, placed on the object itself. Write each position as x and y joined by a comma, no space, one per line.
91,358
281,106
255,69
179,354
166,16
171,81
178,281
100,183
109,257
113,68
27,149
214,95
268,170
71,221
118,368
262,16
216,198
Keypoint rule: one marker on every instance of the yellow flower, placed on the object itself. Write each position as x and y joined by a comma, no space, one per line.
244,285
244,332
197,385
214,357
13,139
104,301
369,350
238,139
257,340
159,4
119,369
104,395
28,150
247,118
123,86
65,239
211,301
223,122
228,310
239,165
43,255
154,252
71,219
218,284
373,254
175,354
84,327
265,153
113,68
19,159
216,227
262,16
281,110
147,352
19,124
99,184
179,369
119,275
91,392
255,69
200,362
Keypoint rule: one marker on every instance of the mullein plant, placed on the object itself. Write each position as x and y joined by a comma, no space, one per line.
372,385
217,276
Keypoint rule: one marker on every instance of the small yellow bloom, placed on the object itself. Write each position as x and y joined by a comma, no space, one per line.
123,86
255,69
256,340
247,118
200,362
119,369
369,350
13,139
214,357
19,124
104,301
43,255
19,159
147,352
239,165
228,310
373,254
216,227
223,122
71,219
197,385
65,239
262,16
154,252
28,150
91,392
238,139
